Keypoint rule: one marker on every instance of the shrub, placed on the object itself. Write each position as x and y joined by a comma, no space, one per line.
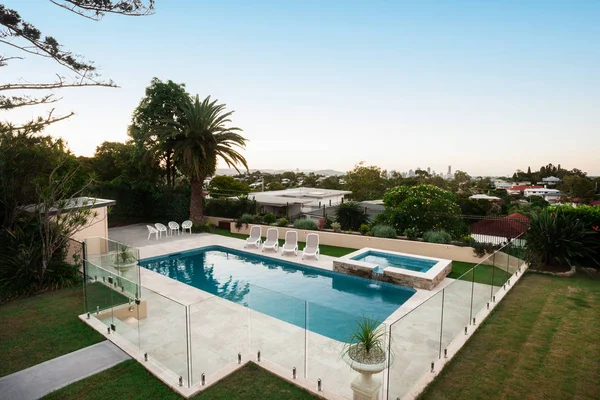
468,240
437,237
559,239
306,224
321,223
245,219
384,231
269,218
480,249
350,215
20,255
364,229
229,208
412,233
203,227
283,222
336,227
257,219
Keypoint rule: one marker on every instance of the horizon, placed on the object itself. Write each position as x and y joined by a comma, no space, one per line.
486,88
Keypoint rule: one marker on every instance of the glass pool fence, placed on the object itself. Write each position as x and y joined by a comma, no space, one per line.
197,343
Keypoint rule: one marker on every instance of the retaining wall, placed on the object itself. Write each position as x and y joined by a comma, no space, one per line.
447,251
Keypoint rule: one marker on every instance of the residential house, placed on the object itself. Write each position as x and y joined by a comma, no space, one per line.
297,201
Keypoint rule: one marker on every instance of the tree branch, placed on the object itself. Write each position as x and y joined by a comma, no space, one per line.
98,8
47,86
7,103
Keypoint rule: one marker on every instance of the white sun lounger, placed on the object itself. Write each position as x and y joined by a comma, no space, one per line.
254,238
272,241
161,228
291,243
312,246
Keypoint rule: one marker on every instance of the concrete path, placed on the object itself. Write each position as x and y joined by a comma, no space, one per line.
39,380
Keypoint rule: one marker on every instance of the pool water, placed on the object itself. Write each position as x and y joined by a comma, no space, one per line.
325,302
384,260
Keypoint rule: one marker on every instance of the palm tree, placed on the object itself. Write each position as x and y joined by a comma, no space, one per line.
203,137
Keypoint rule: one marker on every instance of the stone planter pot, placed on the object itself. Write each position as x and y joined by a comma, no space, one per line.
365,386
124,267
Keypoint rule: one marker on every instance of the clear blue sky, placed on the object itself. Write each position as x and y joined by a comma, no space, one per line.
484,86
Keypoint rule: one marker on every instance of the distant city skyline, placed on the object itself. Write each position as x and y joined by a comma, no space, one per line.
487,87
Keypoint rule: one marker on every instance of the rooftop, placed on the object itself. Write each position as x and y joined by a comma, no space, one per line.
74,204
302,195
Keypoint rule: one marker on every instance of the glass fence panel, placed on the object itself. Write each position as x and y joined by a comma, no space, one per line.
278,328
98,289
415,344
218,334
113,256
328,333
163,333
126,311
500,260
481,288
457,308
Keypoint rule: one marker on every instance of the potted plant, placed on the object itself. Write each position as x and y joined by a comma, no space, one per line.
124,258
365,353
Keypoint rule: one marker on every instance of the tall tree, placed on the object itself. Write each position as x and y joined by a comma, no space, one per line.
366,182
580,187
22,39
163,102
205,136
227,186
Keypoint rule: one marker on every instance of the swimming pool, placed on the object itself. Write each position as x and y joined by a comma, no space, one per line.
384,260
325,302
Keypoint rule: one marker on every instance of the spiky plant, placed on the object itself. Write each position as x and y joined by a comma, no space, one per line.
554,238
367,342
124,255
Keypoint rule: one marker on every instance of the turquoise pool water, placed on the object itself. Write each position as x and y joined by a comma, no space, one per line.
328,303
384,260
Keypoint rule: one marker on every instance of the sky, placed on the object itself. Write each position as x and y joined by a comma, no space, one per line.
484,86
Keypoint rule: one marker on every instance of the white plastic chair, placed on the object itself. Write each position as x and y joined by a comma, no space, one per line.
254,238
152,231
186,225
291,243
161,228
173,226
272,241
312,246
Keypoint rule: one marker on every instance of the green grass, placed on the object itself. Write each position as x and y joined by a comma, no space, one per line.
541,342
99,295
129,380
41,327
327,250
483,273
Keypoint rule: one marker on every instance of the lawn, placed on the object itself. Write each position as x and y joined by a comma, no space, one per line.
332,251
129,380
39,328
541,342
483,273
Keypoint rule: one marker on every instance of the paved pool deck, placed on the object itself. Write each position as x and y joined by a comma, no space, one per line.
219,330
